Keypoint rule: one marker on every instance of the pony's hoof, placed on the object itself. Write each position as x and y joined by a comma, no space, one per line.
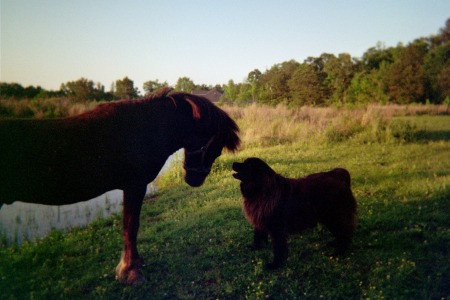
130,276
133,277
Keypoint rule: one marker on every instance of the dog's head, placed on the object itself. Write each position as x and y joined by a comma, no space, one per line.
254,175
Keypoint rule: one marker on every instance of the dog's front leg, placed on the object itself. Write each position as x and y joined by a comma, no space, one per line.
260,238
280,249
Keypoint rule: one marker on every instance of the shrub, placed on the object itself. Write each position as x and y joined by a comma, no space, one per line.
345,128
403,131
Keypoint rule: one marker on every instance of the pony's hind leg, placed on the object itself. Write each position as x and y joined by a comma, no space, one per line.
127,271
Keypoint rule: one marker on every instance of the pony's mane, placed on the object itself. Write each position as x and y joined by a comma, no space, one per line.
207,115
210,118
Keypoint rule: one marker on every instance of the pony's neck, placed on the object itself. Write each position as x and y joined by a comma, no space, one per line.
171,125
177,126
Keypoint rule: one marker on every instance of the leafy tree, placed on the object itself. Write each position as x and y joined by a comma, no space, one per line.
369,86
230,91
444,35
435,61
244,93
340,71
443,82
32,92
253,79
274,82
374,56
185,84
307,87
13,90
254,76
406,76
125,89
81,90
153,85
17,91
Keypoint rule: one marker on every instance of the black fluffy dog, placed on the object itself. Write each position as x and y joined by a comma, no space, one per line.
279,206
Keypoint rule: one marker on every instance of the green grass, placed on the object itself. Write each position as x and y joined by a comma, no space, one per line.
195,240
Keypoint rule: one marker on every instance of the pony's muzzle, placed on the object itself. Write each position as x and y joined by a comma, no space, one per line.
195,178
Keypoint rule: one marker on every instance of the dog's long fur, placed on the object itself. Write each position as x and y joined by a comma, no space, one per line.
279,206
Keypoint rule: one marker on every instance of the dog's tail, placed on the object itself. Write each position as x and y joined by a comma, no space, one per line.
343,174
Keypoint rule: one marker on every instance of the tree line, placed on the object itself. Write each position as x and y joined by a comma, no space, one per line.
416,73
81,90
85,90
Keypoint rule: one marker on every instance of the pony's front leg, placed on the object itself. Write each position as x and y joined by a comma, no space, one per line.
127,271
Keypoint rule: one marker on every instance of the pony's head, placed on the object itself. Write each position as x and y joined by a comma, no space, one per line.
213,131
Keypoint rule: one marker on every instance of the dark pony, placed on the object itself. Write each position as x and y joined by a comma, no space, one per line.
121,145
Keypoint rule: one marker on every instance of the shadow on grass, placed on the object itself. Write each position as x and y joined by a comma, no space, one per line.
406,241
432,136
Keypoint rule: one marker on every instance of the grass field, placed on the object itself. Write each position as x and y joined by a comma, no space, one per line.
195,240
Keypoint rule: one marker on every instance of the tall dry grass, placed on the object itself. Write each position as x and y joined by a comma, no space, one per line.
265,125
43,108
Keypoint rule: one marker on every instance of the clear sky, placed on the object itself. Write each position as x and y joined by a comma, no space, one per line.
49,42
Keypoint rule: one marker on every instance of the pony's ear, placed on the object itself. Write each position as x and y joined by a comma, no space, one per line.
162,92
196,112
